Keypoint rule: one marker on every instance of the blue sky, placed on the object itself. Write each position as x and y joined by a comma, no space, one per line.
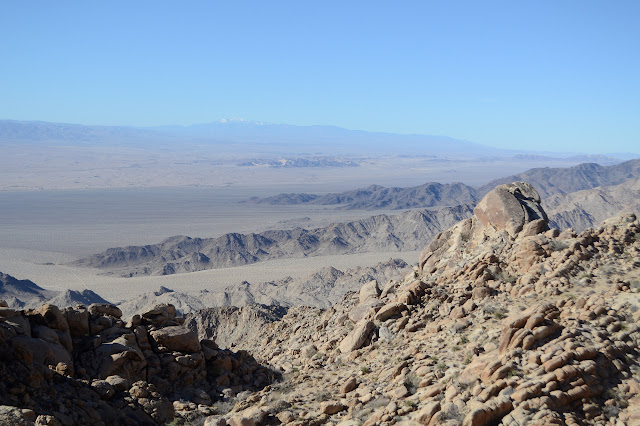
547,75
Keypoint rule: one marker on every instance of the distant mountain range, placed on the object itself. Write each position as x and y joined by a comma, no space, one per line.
588,208
233,135
547,181
405,231
378,197
41,132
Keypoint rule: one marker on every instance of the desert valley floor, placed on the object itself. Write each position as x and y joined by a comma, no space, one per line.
45,230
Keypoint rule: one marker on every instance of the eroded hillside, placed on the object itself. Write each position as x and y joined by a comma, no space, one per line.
503,321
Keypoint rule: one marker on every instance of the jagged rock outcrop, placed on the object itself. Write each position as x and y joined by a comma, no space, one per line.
85,366
504,322
505,214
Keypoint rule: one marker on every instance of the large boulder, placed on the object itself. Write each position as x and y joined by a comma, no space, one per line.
509,207
176,338
160,315
99,309
78,321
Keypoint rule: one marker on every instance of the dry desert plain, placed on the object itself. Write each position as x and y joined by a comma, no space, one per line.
41,231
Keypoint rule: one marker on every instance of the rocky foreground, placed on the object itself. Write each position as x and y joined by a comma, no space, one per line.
82,366
504,321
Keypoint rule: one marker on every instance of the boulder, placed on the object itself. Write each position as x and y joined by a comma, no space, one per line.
177,338
365,309
349,385
332,407
389,310
78,321
509,207
357,337
38,351
17,320
369,290
103,388
160,315
118,383
118,357
53,317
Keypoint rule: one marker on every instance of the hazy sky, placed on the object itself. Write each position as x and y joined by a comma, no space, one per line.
561,75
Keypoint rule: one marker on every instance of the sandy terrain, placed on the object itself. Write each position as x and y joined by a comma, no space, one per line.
78,167
84,222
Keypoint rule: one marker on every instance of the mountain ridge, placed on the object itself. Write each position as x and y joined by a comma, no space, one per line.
405,231
564,180
568,179
430,194
21,294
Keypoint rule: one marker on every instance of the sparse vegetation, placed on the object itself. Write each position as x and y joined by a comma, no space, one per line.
514,372
412,381
453,413
503,276
410,403
558,245
500,314
323,396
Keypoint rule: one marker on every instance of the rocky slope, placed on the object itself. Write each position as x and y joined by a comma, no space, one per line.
321,289
503,322
405,231
378,197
